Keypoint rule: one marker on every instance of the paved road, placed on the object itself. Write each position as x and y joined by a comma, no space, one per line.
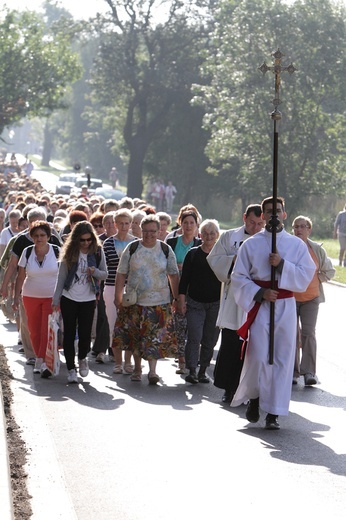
111,449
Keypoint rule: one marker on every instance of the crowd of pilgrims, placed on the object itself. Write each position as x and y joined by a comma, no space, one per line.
130,287
62,253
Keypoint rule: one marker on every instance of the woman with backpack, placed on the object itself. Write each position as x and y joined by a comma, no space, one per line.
146,326
82,266
38,270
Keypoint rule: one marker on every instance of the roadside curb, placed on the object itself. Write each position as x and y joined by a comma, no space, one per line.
6,499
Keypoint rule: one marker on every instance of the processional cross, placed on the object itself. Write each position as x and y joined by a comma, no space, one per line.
274,222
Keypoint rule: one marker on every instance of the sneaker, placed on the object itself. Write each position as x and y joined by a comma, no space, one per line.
30,361
100,358
111,358
310,379
118,369
83,367
37,366
72,376
252,411
45,372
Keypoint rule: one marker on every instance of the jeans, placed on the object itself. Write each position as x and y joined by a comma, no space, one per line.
202,333
76,315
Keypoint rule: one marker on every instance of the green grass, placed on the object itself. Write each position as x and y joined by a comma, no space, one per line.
332,248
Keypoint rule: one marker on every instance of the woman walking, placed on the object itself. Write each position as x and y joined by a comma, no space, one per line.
308,303
146,328
199,298
82,266
38,270
181,244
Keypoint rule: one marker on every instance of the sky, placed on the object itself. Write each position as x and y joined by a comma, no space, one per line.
78,8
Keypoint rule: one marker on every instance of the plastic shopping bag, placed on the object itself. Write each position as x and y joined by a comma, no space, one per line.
52,352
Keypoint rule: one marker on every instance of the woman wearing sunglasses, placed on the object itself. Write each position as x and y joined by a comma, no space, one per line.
82,266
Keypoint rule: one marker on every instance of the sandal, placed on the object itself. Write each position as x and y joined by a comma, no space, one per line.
181,369
118,369
128,368
136,376
153,378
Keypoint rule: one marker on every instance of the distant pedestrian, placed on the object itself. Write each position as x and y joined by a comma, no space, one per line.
340,233
170,193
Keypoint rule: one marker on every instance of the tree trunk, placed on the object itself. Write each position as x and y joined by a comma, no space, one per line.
138,148
47,145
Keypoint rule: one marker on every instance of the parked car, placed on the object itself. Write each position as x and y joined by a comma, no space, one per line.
66,182
83,181
110,193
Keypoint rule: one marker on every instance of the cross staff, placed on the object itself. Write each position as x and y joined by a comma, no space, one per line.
274,222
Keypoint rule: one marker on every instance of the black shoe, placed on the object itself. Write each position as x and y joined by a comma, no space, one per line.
252,410
203,378
192,377
272,422
227,397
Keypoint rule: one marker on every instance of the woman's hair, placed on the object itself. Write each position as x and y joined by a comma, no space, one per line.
189,208
123,212
149,219
307,220
40,224
186,214
96,218
164,216
77,216
71,248
211,224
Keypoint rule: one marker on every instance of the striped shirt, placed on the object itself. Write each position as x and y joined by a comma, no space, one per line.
113,249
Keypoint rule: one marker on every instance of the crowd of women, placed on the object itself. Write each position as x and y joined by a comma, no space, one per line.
129,288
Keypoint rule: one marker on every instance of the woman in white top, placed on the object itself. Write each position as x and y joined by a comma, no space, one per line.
38,270
82,266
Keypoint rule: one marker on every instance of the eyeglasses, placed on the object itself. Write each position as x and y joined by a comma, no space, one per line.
300,226
149,231
85,239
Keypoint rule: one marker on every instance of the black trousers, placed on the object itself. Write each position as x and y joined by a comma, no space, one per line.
228,364
76,316
101,343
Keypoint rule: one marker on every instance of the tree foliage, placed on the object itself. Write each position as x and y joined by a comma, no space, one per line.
141,71
237,98
36,66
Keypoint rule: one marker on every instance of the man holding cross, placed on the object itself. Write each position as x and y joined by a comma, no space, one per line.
268,386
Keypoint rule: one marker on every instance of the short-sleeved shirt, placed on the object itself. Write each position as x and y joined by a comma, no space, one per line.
6,235
40,278
147,270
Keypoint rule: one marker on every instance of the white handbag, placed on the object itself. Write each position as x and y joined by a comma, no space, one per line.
129,296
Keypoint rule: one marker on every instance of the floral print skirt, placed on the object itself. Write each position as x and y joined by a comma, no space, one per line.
146,331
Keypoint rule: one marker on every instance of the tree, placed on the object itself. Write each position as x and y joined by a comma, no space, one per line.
237,98
36,67
142,69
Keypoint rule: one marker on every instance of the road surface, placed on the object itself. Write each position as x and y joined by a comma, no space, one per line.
110,448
